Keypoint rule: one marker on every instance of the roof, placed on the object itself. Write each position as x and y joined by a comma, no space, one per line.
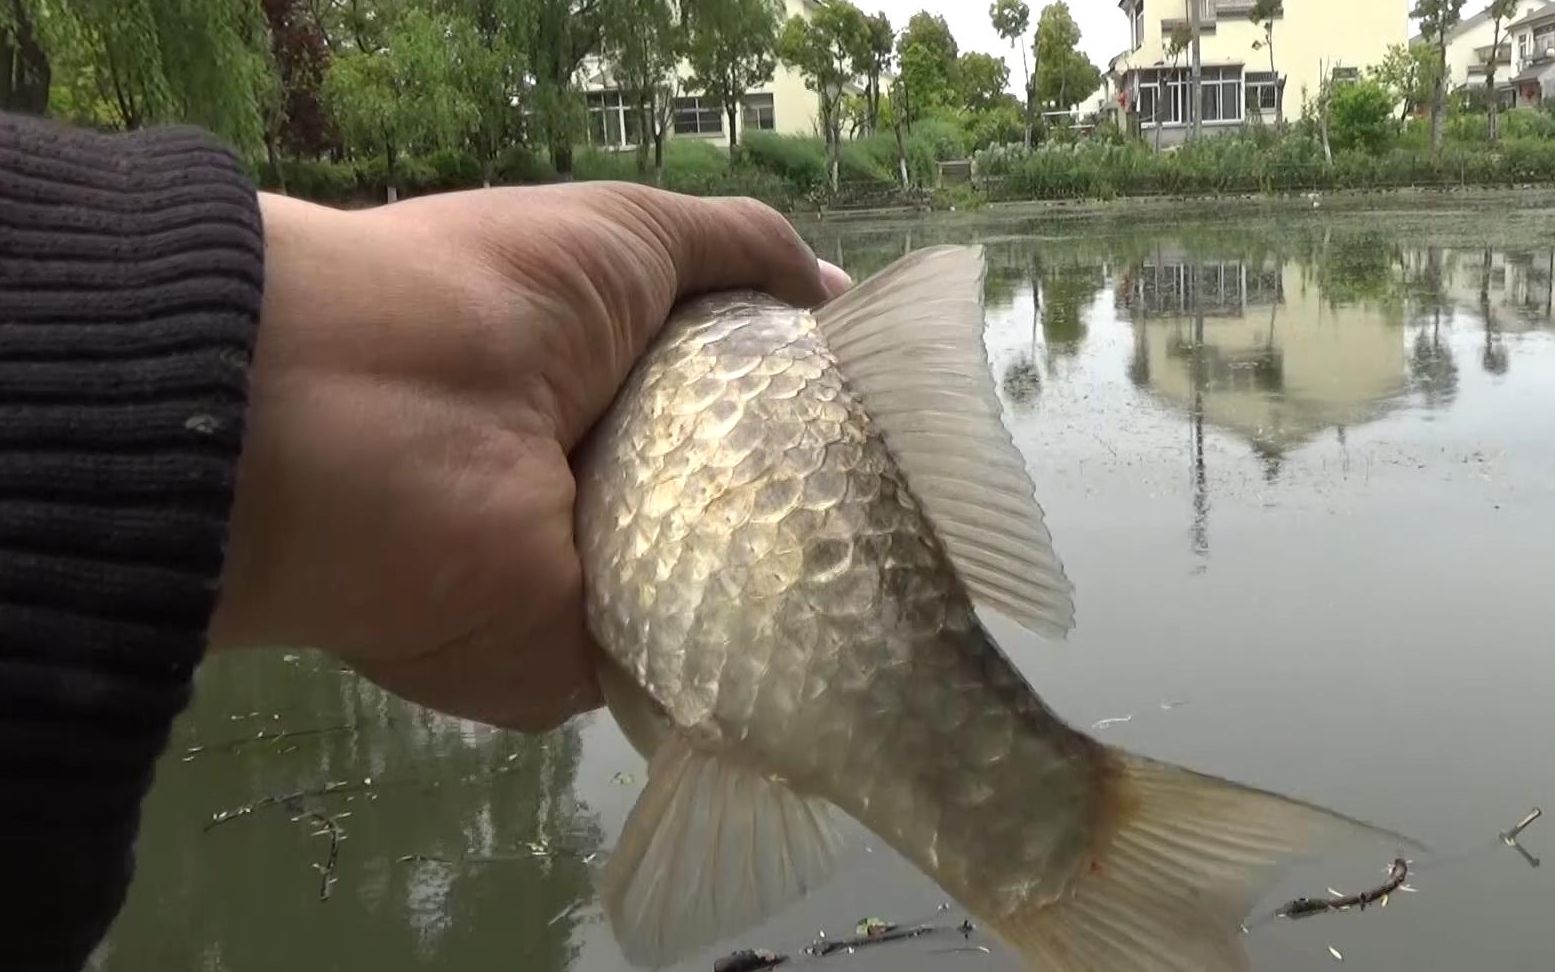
1534,72
1469,23
1548,10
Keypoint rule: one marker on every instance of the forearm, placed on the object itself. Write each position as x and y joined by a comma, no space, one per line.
130,279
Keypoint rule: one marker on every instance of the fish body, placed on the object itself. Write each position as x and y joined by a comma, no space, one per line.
787,522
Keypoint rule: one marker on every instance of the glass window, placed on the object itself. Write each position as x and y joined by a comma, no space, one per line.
694,117
1262,89
759,114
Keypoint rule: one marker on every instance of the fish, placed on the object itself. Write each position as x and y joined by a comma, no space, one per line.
792,524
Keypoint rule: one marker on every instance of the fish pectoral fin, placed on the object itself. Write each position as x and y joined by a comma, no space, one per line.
909,341
1190,856
711,848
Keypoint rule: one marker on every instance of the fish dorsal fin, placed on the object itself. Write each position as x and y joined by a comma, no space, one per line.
909,342
711,848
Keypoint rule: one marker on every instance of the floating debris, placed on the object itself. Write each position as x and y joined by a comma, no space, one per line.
1101,724
1510,837
562,914
623,778
1168,705
750,960
1338,956
1307,907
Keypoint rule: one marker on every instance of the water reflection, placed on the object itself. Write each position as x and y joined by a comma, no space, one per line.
465,850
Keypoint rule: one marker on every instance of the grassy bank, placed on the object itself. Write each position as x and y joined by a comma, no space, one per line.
790,172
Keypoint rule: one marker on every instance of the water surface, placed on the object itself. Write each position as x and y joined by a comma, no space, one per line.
1301,466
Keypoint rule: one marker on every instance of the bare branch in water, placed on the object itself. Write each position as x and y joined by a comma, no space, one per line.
870,932
1307,907
336,833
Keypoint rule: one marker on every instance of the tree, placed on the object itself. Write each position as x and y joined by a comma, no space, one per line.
488,69
555,36
1011,19
1437,18
881,40
927,53
403,95
296,121
1361,116
644,40
825,49
25,71
1177,44
1264,13
1500,12
1409,73
982,79
1065,76
131,63
731,46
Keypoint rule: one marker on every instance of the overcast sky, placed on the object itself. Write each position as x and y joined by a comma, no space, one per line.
1103,28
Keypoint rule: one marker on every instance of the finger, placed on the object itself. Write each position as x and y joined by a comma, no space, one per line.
835,280
731,243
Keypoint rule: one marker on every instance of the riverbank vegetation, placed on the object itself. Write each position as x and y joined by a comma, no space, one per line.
354,101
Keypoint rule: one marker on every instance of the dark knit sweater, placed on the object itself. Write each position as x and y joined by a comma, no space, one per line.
130,276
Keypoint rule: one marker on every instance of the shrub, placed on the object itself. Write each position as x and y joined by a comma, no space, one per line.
797,160
1361,116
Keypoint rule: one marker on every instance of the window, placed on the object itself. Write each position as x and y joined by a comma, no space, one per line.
759,114
612,123
1346,75
1522,49
1262,90
1164,92
694,116
1139,24
1543,40
1221,94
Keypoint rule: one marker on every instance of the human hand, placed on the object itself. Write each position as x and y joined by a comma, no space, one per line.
404,500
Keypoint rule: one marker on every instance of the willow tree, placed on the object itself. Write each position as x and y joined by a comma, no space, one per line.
131,63
403,95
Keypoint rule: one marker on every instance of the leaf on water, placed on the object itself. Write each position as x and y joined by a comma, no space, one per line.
1101,724
1338,957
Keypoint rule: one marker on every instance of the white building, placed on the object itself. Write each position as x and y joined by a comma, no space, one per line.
1237,82
1469,43
783,105
1533,59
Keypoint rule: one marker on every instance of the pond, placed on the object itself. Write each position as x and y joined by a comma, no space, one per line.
1300,463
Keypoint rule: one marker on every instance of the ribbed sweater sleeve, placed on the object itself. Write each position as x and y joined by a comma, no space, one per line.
131,269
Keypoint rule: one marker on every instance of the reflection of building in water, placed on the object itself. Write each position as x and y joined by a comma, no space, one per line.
1256,350
1513,289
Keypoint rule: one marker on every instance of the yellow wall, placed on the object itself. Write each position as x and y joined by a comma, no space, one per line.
1344,33
1337,368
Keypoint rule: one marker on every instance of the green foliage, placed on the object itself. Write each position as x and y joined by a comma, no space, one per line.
1002,123
644,41
982,79
928,55
555,36
1361,116
1065,75
1011,18
731,46
1408,72
403,96
130,63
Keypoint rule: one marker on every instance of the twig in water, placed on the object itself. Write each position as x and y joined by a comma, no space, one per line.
262,736
870,932
1307,907
1509,838
336,833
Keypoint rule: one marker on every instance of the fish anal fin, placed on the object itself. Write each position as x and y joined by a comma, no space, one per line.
909,341
1190,855
711,848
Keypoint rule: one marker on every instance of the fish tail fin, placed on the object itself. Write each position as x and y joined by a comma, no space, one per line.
1189,855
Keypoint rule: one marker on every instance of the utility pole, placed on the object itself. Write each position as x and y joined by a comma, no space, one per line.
1195,87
